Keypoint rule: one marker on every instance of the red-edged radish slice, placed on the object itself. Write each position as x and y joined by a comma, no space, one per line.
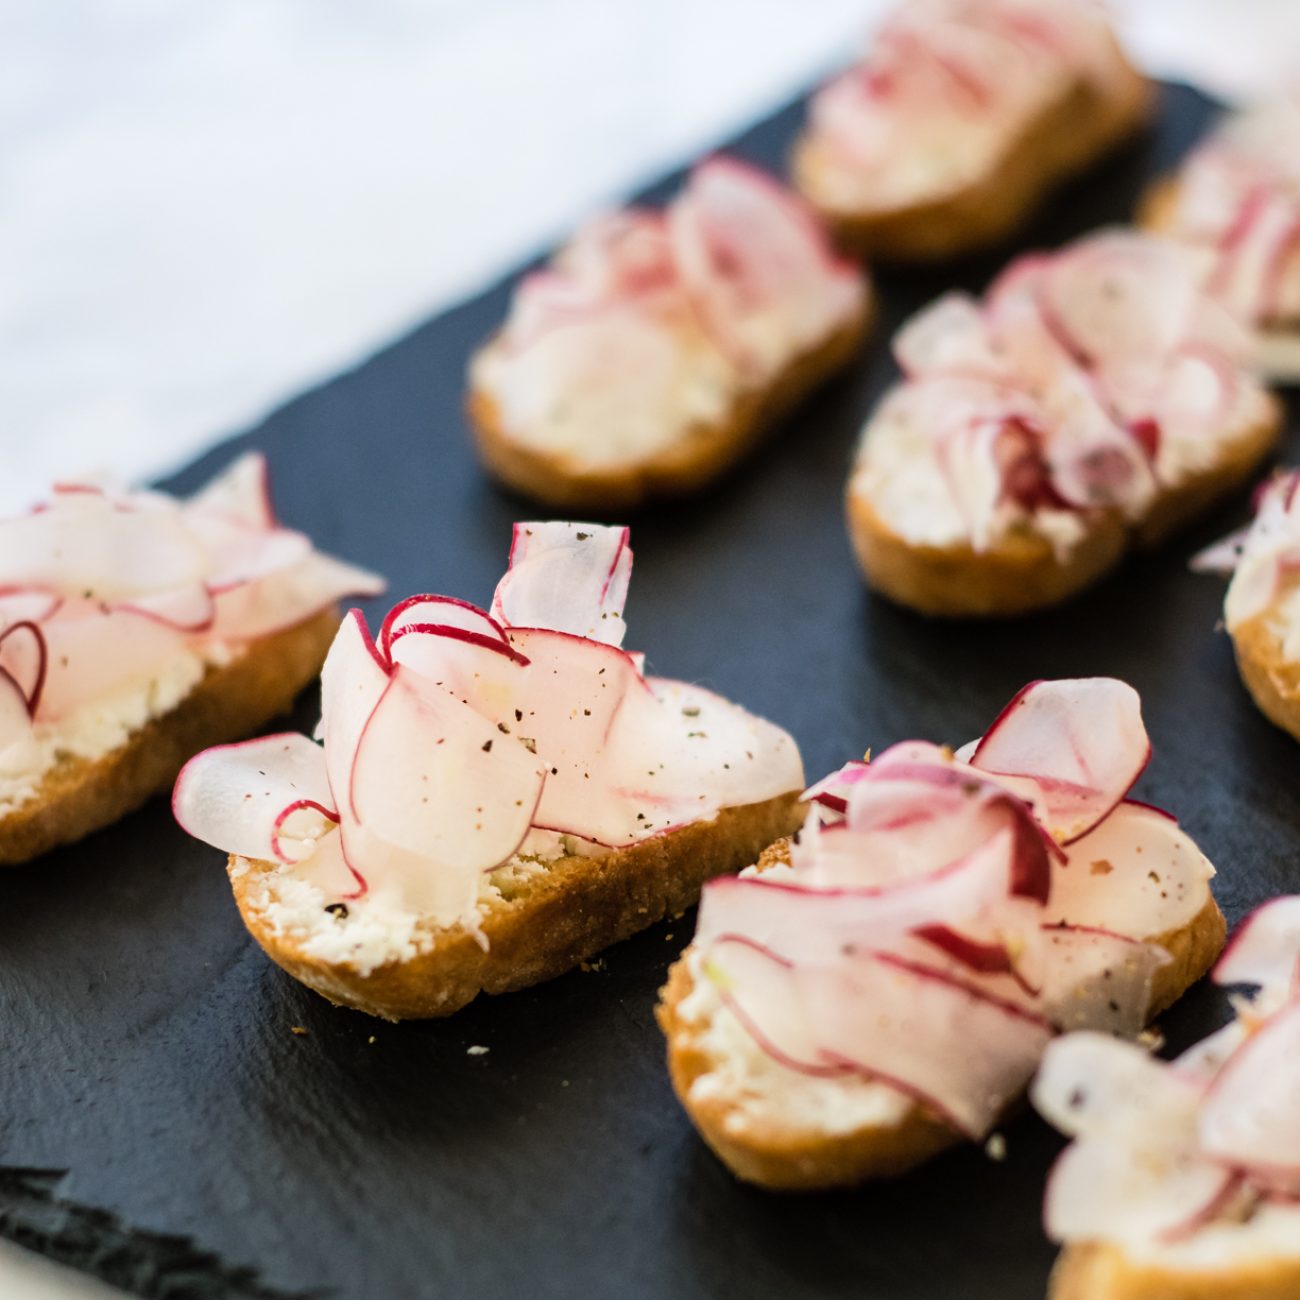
1119,294
241,493
1082,741
802,923
832,791
24,658
353,678
758,988
949,337
898,1022
93,653
88,545
15,716
566,577
1265,950
187,609
1089,978
1251,1115
28,606
439,783
1134,1171
240,557
288,596
756,264
1101,1189
622,254
442,612
1135,873
265,799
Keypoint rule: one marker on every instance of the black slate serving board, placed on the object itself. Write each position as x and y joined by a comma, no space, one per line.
161,1125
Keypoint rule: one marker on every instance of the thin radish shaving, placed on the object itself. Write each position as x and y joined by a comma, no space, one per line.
1082,742
1265,951
1163,1150
267,798
566,577
930,933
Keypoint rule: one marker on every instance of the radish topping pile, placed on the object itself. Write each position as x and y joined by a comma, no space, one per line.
1239,205
456,733
1163,1150
1076,385
668,309
1261,557
100,590
942,918
951,83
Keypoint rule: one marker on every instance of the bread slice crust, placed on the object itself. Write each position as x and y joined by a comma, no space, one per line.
1021,572
700,455
79,795
1077,129
557,919
1272,680
1103,1271
791,1156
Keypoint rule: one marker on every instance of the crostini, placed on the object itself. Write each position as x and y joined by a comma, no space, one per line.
1183,1178
135,630
1236,203
1094,400
659,345
1262,607
498,796
962,118
883,985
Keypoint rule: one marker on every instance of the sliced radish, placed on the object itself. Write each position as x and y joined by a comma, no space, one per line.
353,679
948,337
287,597
265,799
240,493
24,658
1100,1189
443,612
1251,1115
88,546
187,609
801,923
759,989
28,606
567,577
1082,741
1265,950
898,1022
1136,873
436,781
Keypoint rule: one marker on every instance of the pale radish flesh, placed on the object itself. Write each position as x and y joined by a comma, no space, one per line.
1163,1150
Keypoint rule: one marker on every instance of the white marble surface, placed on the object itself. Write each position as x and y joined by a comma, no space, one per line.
205,207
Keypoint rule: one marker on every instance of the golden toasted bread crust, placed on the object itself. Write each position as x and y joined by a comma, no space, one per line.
794,1156
1080,127
1272,680
700,455
80,795
1100,1271
1021,572
547,926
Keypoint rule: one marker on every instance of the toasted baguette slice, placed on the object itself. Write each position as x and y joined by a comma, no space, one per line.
1276,353
1022,572
785,1152
81,795
697,457
1100,1271
539,928
1080,127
